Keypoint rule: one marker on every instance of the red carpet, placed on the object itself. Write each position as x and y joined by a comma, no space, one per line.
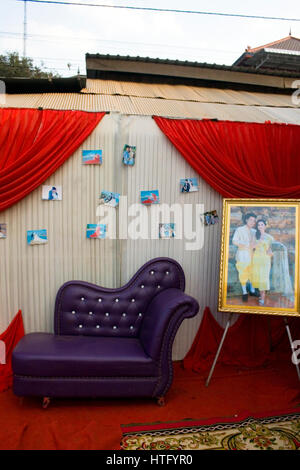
96,424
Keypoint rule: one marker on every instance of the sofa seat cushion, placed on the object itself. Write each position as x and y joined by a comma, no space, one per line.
48,355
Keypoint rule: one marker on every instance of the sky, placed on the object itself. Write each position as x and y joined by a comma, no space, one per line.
59,36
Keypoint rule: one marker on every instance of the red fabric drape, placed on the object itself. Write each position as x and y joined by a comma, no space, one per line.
34,143
240,159
10,337
251,341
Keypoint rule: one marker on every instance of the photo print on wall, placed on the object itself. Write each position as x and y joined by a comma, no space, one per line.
92,157
167,231
189,185
96,231
52,193
3,230
110,199
150,197
211,218
37,237
129,153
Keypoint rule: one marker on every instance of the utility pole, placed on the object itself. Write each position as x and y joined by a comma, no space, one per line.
25,28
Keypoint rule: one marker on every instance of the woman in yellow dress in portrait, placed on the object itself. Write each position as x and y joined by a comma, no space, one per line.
261,261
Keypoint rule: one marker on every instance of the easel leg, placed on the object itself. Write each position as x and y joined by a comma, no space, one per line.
218,351
291,343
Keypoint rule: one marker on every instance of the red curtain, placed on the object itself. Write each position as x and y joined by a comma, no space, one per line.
240,159
34,143
252,341
10,337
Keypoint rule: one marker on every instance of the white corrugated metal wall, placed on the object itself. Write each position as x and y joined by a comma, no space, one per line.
160,166
31,275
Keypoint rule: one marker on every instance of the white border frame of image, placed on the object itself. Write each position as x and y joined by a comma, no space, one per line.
113,197
149,191
91,150
51,186
189,178
37,230
2,93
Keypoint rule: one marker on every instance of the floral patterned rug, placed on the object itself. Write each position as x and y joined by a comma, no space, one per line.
280,432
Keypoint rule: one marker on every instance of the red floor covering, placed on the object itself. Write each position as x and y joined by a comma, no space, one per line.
96,424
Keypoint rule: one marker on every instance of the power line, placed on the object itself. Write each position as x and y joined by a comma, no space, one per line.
44,37
163,10
25,28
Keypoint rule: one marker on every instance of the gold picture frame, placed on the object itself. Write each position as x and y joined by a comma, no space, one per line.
261,259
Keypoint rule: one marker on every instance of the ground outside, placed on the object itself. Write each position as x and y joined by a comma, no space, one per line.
68,424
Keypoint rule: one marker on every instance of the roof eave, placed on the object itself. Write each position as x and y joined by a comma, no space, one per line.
20,85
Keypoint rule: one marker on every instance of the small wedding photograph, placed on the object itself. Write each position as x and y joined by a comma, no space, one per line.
189,185
37,237
3,230
129,152
51,193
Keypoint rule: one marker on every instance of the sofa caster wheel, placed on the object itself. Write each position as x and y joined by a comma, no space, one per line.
46,402
161,401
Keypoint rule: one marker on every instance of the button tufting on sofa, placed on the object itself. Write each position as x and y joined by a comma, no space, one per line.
128,354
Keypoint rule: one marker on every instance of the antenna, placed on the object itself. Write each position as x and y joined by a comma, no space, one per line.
25,28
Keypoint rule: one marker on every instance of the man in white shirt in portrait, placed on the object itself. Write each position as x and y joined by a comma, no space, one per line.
244,239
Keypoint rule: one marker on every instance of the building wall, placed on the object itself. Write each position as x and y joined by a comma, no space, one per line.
31,275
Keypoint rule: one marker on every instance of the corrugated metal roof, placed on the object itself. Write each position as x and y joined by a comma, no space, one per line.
179,101
160,107
185,93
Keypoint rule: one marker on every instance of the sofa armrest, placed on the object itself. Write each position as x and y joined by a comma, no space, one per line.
163,317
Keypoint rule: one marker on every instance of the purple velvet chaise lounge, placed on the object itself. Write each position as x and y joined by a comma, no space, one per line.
108,342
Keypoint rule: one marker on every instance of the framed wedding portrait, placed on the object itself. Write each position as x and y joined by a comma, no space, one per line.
259,266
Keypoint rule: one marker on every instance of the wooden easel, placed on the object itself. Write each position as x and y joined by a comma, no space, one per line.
223,339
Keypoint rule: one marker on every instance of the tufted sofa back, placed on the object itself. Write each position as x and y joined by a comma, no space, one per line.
82,308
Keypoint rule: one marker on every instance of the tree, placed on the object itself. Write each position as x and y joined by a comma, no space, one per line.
11,65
